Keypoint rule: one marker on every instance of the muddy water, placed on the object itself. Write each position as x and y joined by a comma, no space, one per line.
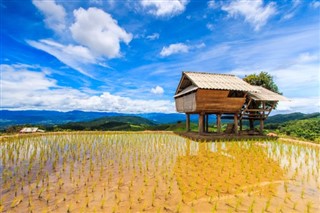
156,172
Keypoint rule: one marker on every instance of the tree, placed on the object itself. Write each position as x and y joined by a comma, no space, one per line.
263,79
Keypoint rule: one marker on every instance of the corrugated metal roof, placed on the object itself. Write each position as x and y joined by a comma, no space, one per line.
186,90
264,94
29,129
218,81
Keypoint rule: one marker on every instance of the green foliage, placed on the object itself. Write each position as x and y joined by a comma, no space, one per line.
282,118
263,79
308,128
116,123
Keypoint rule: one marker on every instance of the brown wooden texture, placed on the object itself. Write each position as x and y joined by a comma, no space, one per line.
218,123
186,103
217,101
201,122
188,122
235,123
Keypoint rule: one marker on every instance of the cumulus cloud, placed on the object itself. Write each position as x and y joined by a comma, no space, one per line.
308,57
315,4
154,36
164,8
305,105
71,55
157,90
174,49
210,26
212,4
98,31
54,14
179,48
45,93
254,12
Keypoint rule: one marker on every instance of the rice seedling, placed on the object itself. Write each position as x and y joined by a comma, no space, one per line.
139,171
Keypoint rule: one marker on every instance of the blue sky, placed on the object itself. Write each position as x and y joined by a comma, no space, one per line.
128,55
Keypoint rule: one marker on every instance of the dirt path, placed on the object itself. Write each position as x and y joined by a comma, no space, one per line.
300,142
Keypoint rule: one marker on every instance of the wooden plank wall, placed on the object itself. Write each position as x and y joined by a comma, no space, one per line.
217,101
186,103
211,101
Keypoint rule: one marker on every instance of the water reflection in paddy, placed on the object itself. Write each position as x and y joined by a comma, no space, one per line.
117,172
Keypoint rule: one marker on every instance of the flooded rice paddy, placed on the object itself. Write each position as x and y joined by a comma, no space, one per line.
156,172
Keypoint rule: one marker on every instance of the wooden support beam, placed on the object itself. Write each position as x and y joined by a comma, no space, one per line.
201,122
236,123
218,123
240,125
261,126
188,122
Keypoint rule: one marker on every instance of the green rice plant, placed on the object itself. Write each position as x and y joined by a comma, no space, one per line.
102,204
40,193
16,201
309,207
302,193
266,208
251,207
294,207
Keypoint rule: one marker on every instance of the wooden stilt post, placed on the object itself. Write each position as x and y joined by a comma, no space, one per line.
261,126
201,118
251,123
235,123
262,117
188,122
218,123
207,123
240,124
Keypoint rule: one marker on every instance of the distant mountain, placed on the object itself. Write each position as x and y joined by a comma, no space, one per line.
282,118
131,123
43,117
47,118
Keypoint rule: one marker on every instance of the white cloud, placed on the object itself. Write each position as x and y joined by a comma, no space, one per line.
253,11
210,26
98,31
292,11
97,2
157,90
307,57
174,49
315,4
154,36
212,4
198,46
304,105
73,56
165,7
179,48
38,91
54,14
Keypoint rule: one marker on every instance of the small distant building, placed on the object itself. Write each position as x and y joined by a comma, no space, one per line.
222,94
31,130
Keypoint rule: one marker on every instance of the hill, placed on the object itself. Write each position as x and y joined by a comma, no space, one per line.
282,118
128,123
307,128
44,117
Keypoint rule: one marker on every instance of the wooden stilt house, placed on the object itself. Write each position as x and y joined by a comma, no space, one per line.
221,94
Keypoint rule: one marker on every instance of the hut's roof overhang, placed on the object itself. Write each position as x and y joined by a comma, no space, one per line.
186,91
264,94
213,81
